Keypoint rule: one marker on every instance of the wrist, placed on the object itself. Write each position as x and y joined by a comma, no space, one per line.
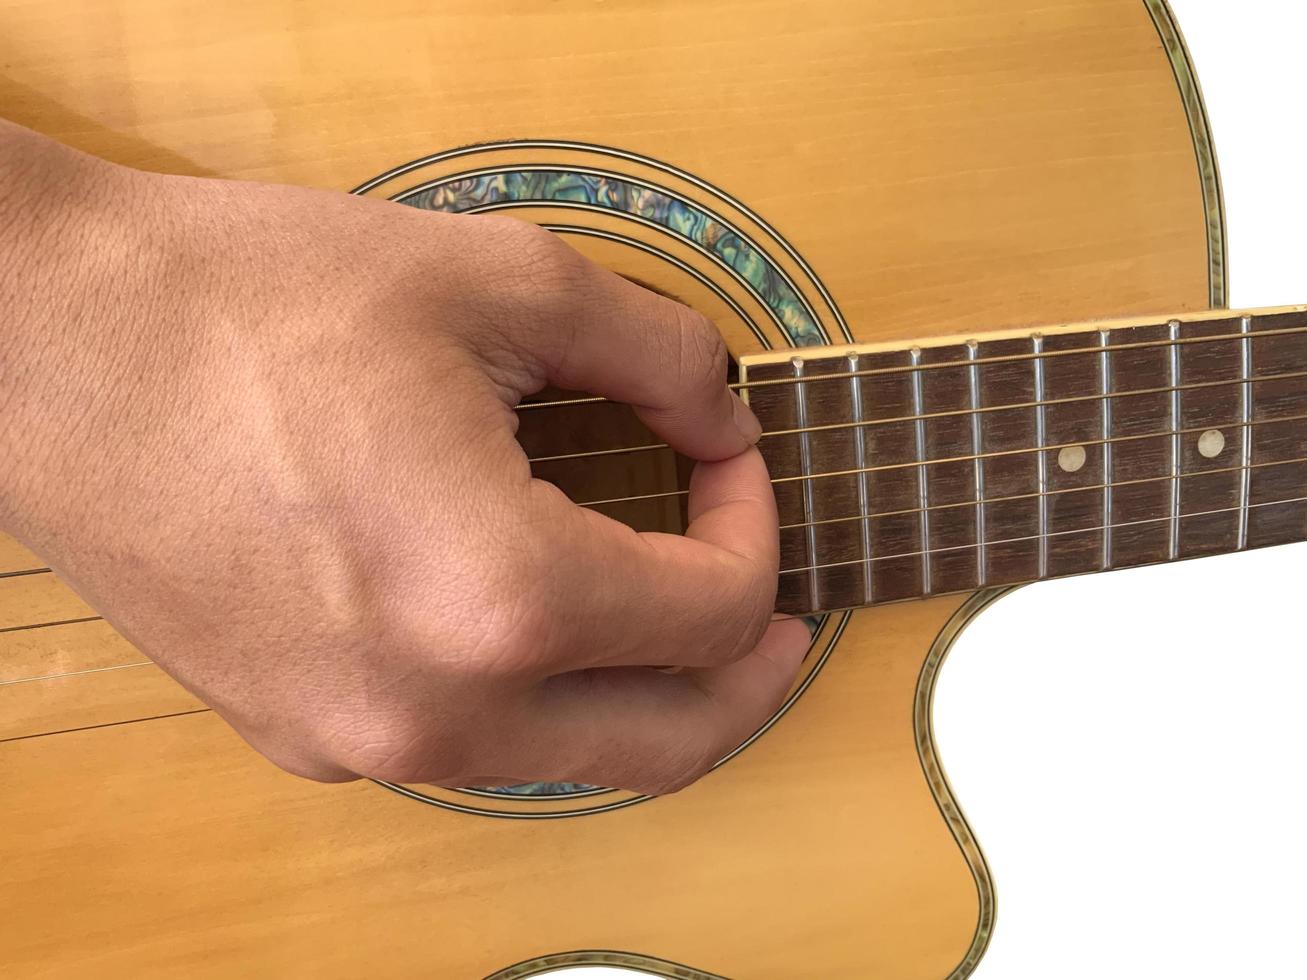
64,251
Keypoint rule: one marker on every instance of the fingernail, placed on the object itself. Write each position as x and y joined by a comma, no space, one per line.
745,420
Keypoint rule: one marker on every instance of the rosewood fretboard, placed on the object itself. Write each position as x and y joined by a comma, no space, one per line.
906,471
912,472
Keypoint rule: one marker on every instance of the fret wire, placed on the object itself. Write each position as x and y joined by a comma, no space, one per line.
1041,457
1032,537
1173,532
923,484
805,462
864,478
1245,415
984,410
978,466
1105,385
948,459
998,359
1054,493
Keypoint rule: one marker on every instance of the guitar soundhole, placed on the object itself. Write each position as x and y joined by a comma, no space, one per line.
668,231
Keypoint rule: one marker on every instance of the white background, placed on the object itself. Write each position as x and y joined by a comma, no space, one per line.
1128,747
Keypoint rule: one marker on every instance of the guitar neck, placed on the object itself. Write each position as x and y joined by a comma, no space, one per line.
903,472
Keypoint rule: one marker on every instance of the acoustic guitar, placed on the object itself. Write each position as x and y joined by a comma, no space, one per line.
969,256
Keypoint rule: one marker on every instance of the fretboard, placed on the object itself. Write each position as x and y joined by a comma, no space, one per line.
958,465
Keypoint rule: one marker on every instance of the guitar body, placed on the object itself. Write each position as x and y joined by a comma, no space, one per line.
805,173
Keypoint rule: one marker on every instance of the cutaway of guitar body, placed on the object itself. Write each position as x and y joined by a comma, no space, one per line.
824,172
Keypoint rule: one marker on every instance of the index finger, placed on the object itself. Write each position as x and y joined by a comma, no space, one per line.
607,336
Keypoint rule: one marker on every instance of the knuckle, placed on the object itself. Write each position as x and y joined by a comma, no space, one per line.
383,746
509,649
682,763
546,281
511,234
295,753
491,631
543,262
752,602
519,625
396,747
761,603
318,770
701,355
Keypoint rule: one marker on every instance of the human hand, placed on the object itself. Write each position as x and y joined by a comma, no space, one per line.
268,433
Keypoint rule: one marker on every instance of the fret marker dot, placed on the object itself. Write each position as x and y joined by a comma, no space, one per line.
1071,458
1210,443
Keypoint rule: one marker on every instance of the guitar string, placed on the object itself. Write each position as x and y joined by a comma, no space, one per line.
985,501
951,413
972,502
933,461
1036,537
837,352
